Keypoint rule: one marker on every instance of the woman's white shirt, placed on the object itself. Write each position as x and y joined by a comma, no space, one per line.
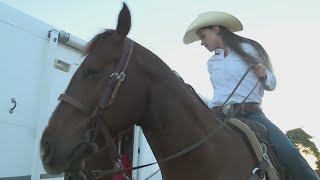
226,72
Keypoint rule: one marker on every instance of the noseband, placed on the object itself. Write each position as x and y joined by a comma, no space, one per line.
106,100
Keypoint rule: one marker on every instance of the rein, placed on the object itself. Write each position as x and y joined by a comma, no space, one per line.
108,98
100,173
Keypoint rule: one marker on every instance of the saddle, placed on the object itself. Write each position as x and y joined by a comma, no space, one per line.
255,135
256,127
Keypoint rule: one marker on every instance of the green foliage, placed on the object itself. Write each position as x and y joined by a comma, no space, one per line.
318,163
302,141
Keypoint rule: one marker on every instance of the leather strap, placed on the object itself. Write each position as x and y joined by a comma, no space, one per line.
73,102
246,107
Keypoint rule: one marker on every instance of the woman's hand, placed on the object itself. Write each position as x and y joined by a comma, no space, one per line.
260,71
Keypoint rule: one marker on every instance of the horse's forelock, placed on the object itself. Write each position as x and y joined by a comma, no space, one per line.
97,40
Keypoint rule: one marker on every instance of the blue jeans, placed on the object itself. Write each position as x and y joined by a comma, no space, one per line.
290,157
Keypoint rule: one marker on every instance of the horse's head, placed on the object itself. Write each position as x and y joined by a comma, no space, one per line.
89,101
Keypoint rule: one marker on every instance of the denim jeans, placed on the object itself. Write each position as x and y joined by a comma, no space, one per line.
290,157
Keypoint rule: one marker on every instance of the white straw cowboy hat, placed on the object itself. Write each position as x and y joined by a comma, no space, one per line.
209,19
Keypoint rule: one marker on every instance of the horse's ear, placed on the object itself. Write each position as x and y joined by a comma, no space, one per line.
124,21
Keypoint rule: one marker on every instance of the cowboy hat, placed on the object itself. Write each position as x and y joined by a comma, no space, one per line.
209,19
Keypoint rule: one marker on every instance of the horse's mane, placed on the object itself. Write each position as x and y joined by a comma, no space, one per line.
100,38
97,40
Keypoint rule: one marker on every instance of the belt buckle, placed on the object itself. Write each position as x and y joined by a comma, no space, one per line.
228,108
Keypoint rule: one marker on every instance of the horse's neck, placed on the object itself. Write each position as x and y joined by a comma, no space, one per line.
175,117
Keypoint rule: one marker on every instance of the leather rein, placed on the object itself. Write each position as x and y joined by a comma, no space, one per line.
107,99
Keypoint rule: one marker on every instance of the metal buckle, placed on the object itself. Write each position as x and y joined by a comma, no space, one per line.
120,76
97,173
265,155
228,108
254,171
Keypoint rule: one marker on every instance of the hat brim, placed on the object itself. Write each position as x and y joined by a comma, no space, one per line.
209,19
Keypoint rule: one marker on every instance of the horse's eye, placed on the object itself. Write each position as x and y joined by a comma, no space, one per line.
92,72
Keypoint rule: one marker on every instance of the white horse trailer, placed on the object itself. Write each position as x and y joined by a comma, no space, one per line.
37,62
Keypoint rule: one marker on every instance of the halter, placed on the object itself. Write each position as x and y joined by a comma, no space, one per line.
106,100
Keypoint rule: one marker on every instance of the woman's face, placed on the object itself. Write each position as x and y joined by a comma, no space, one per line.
210,38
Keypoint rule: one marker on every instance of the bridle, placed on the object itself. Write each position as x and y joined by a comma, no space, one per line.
106,100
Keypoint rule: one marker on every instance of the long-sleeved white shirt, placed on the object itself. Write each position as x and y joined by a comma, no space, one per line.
226,72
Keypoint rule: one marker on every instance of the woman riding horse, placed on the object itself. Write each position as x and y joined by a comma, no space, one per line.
121,83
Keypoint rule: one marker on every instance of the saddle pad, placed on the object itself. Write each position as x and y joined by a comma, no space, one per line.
271,171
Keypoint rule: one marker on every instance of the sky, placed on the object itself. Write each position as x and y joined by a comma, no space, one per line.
287,29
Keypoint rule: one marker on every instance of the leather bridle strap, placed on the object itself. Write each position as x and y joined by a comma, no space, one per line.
223,124
109,97
111,146
119,75
106,100
73,102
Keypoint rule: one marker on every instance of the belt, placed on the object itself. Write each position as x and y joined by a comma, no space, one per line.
228,108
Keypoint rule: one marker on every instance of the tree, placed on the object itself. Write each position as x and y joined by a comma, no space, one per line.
303,142
318,166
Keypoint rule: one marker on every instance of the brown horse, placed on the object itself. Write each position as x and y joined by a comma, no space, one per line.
151,96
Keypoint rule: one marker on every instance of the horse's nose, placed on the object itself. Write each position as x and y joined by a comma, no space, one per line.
46,150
